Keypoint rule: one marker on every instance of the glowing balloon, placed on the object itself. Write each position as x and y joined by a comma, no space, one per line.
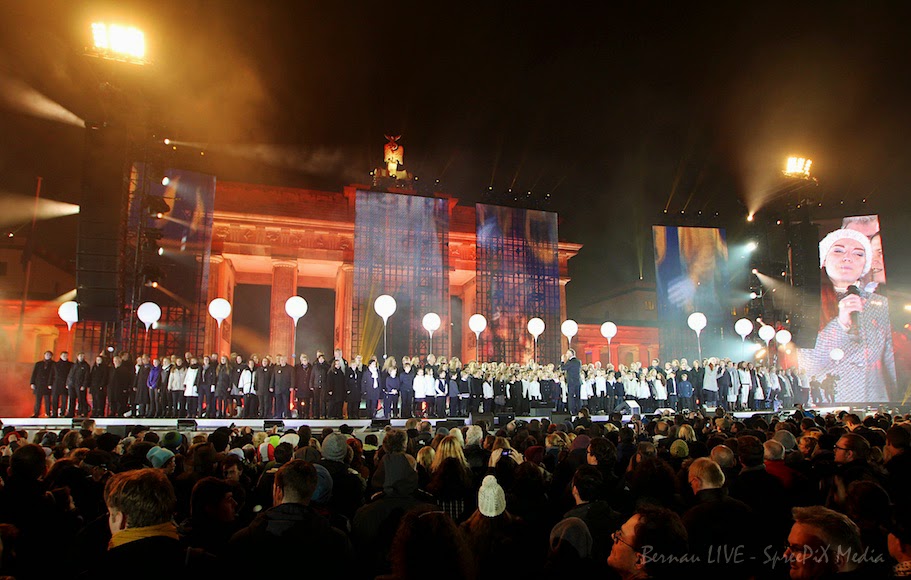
219,309
783,337
431,322
766,333
836,354
569,328
696,321
608,331
295,307
69,313
536,327
149,313
743,327
384,306
478,324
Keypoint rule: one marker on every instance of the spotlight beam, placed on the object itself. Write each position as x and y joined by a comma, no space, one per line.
17,95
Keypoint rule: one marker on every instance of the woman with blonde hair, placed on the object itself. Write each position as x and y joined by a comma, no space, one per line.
448,447
686,433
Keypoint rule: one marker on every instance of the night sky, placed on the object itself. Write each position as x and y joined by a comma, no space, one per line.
607,114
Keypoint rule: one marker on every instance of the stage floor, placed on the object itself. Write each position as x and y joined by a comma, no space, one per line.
361,425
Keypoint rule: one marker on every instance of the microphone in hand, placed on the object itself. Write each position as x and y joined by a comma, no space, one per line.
853,289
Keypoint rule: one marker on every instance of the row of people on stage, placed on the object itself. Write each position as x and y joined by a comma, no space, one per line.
216,386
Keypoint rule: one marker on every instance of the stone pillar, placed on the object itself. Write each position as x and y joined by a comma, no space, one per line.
469,309
218,268
344,306
643,356
614,354
281,326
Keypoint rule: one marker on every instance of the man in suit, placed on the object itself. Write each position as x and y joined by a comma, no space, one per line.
572,368
42,378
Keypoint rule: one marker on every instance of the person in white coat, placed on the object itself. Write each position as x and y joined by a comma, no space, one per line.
246,384
191,389
175,387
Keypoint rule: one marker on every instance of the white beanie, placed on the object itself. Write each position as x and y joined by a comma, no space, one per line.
491,499
826,244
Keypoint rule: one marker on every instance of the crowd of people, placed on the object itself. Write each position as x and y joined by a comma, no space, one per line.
800,495
223,386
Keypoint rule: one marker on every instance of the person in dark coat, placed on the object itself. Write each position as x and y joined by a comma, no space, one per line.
98,385
336,389
406,387
347,486
303,392
206,387
291,526
120,385
282,381
76,384
58,384
710,524
371,386
263,382
572,369
355,375
41,383
144,539
318,377
223,377
140,391
375,524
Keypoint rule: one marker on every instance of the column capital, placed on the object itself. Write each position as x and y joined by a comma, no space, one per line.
284,263
346,267
216,258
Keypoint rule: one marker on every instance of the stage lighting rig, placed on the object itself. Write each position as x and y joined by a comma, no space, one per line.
156,206
118,42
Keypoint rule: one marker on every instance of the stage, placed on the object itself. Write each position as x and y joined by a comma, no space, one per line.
122,426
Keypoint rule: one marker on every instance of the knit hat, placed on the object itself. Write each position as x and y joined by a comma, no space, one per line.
574,533
535,454
171,440
158,456
680,449
335,447
826,244
238,452
491,498
323,492
581,442
292,438
266,452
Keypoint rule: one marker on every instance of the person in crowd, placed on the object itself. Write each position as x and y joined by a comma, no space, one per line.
371,387
77,382
354,377
98,385
177,387
319,376
337,389
281,382
650,532
264,392
823,543
222,389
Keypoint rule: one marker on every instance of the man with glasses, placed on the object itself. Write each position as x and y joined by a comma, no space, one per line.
823,543
651,544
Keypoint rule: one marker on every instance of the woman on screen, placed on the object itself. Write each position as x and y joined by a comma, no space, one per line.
855,336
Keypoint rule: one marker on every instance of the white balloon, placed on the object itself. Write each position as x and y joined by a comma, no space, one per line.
219,309
569,328
608,330
69,313
431,322
149,313
743,327
477,323
384,306
836,354
783,337
697,321
536,327
766,333
295,307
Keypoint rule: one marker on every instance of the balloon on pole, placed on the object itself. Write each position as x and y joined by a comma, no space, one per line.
219,309
609,331
569,328
431,324
536,328
743,327
783,337
149,313
766,333
384,306
478,324
836,354
295,307
69,313
697,321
